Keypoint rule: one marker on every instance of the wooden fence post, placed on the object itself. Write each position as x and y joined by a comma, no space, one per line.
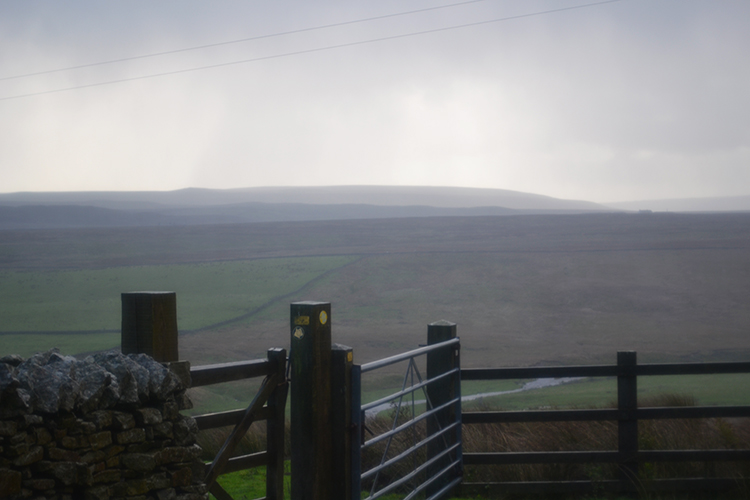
341,421
275,428
310,356
627,424
149,324
439,393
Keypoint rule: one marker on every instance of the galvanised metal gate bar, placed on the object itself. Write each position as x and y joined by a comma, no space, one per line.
441,468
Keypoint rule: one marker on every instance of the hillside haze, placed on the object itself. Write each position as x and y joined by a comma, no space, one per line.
270,204
317,195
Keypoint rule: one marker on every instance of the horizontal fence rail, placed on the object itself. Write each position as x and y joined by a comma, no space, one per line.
605,486
627,415
229,372
604,371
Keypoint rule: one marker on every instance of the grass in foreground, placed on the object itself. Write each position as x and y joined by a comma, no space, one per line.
559,436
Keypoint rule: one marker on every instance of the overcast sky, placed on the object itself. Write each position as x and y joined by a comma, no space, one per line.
628,100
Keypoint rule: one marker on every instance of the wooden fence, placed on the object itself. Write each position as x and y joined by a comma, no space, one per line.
327,419
149,325
627,415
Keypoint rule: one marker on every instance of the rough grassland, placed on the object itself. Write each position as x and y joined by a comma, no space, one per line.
523,289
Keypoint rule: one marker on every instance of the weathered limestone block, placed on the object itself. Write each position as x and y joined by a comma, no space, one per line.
62,455
170,410
181,477
178,454
132,379
166,494
185,431
114,450
8,428
201,489
35,454
96,467
12,360
143,462
10,482
94,457
65,421
82,427
41,435
129,488
97,493
93,381
100,440
17,449
107,476
136,435
14,401
67,473
163,430
39,484
162,382
75,442
101,418
147,416
46,376
122,420
183,401
159,481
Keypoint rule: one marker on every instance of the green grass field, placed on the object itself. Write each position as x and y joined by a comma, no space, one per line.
524,290
731,389
89,299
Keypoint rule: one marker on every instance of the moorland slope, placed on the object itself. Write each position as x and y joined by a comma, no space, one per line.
523,289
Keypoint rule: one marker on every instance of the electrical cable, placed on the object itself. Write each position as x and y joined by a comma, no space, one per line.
308,51
241,40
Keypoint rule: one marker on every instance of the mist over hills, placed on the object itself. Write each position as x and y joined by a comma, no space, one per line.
317,195
39,210
269,204
715,204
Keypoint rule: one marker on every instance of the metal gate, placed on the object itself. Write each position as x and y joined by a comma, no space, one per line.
416,448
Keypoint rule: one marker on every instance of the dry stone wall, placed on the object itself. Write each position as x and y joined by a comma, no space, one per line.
107,427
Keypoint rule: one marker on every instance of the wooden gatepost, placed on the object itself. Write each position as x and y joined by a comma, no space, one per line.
321,415
310,358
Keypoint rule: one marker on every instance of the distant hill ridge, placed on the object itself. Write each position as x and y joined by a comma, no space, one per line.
266,204
445,197
714,204
40,210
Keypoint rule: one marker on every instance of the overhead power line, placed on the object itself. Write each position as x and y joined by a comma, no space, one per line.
309,51
240,40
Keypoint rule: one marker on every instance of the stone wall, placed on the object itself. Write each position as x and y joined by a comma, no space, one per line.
106,427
